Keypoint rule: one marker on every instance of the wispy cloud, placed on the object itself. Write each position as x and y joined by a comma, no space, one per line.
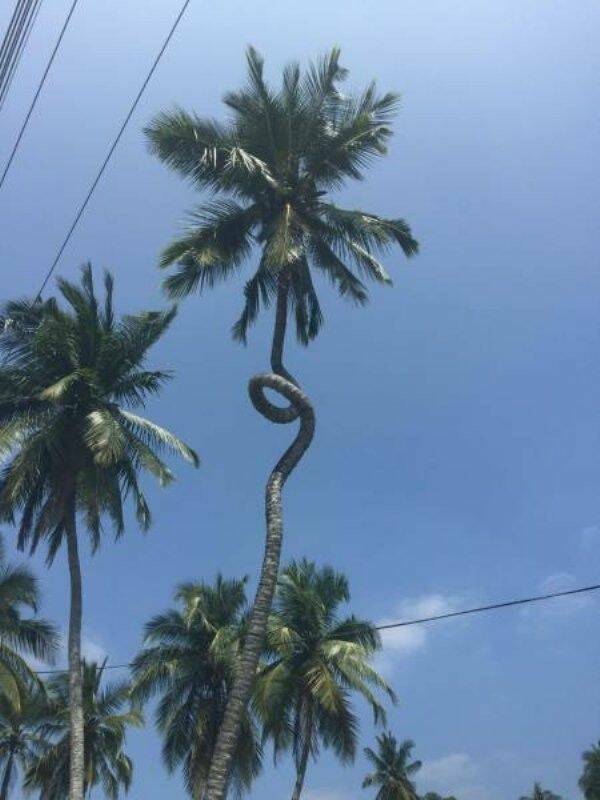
561,607
457,774
326,794
91,648
589,539
399,643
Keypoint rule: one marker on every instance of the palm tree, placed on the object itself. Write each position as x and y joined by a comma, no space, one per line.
316,660
21,735
589,783
70,445
393,769
435,796
188,660
18,634
105,728
541,794
272,167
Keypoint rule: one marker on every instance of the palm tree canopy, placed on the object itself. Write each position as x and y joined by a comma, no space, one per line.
271,167
436,796
589,783
188,661
315,661
20,635
22,740
67,380
393,769
107,715
541,794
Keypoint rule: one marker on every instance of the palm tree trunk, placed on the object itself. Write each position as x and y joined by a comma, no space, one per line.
76,764
281,308
300,408
6,777
303,762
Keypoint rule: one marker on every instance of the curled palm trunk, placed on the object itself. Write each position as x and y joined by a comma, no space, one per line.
300,408
76,763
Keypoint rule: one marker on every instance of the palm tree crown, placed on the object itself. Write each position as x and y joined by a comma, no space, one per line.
66,378
22,740
589,783
272,166
188,661
106,718
20,634
541,794
316,660
393,769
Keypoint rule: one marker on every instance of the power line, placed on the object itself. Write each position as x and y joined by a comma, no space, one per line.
406,623
506,604
14,42
38,92
112,148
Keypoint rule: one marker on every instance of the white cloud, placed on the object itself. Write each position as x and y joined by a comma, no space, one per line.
560,607
455,774
403,642
590,539
91,649
325,794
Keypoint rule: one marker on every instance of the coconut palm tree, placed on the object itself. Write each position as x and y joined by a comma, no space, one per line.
393,769
70,445
22,739
541,794
107,715
271,168
316,661
589,783
435,796
20,635
188,661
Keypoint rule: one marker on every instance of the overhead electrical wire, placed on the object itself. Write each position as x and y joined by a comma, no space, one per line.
37,93
112,148
14,42
422,620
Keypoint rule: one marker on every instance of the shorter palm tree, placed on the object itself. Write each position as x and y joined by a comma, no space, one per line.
107,715
315,661
20,635
589,783
71,449
188,660
393,769
436,796
21,736
540,794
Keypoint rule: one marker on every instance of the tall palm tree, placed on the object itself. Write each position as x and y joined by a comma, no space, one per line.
106,715
393,769
541,794
70,446
20,635
188,660
316,661
589,783
22,739
271,167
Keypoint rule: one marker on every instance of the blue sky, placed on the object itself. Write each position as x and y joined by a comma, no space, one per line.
456,459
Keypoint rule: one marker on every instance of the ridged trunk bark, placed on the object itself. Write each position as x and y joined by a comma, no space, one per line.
76,762
300,408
